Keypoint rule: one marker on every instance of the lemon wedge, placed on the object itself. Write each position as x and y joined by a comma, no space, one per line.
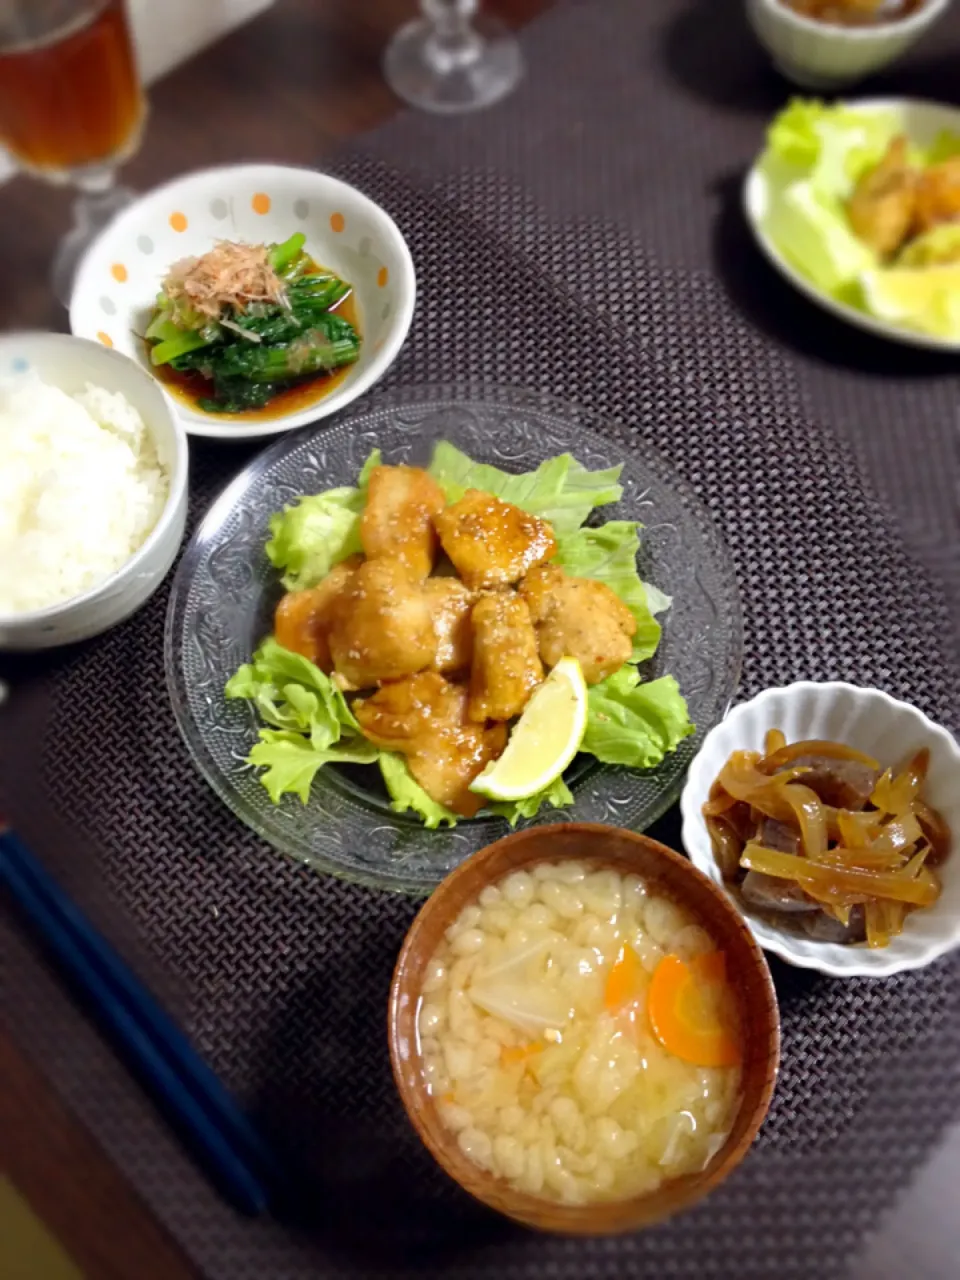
544,740
926,298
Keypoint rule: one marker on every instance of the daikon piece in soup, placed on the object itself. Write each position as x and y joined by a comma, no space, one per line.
578,1034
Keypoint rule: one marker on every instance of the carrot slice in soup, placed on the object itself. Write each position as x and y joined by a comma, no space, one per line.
688,1008
626,982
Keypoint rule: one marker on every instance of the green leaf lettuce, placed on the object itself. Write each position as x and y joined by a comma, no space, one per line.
560,490
632,723
311,724
290,761
406,793
318,531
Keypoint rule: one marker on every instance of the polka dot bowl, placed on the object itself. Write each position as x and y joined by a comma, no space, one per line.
121,273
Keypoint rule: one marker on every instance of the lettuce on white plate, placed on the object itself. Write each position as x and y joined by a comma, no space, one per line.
814,156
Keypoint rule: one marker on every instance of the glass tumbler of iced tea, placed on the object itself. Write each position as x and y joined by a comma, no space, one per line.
71,107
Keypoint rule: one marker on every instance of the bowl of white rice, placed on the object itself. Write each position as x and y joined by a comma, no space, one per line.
93,489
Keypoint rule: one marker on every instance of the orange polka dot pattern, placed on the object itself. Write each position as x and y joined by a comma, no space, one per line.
337,222
178,221
260,203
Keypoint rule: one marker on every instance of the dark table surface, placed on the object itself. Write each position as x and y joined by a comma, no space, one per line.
287,87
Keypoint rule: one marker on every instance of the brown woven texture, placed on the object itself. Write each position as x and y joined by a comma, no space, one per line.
585,239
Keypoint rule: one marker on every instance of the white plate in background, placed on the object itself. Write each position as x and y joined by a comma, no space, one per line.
921,122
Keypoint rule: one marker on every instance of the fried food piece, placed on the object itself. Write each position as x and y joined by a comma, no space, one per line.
397,521
424,718
493,543
450,603
884,201
938,195
303,618
578,618
382,626
506,666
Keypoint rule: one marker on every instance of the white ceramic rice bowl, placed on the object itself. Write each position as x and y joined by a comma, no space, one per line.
70,363
120,275
883,727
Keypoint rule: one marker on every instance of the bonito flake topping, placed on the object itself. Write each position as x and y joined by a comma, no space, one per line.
231,275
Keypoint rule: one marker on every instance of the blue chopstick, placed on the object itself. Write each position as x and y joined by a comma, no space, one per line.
209,1119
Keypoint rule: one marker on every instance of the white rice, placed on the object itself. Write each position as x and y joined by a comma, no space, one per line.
81,488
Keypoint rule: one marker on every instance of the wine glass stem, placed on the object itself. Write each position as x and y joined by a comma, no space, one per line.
97,203
98,198
453,42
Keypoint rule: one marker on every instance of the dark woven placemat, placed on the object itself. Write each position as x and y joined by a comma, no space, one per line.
582,239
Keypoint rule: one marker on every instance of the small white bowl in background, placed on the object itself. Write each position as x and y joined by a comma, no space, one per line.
922,122
70,363
881,726
823,56
121,273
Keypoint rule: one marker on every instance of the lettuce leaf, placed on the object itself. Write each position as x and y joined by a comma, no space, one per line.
363,479
814,155
561,490
292,694
832,145
945,146
633,723
657,601
812,233
318,531
940,246
558,795
312,723
609,554
291,761
406,793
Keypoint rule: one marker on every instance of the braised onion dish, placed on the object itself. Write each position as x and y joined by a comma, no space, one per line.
817,833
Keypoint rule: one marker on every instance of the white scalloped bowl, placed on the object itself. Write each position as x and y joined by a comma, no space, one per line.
871,721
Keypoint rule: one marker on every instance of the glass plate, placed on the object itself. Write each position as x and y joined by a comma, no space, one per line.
225,592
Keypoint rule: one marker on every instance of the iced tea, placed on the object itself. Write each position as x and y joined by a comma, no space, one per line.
70,98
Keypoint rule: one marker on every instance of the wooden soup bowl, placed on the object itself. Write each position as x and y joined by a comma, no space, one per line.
676,878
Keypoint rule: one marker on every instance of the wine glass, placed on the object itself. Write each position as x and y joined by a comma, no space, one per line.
71,108
453,58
